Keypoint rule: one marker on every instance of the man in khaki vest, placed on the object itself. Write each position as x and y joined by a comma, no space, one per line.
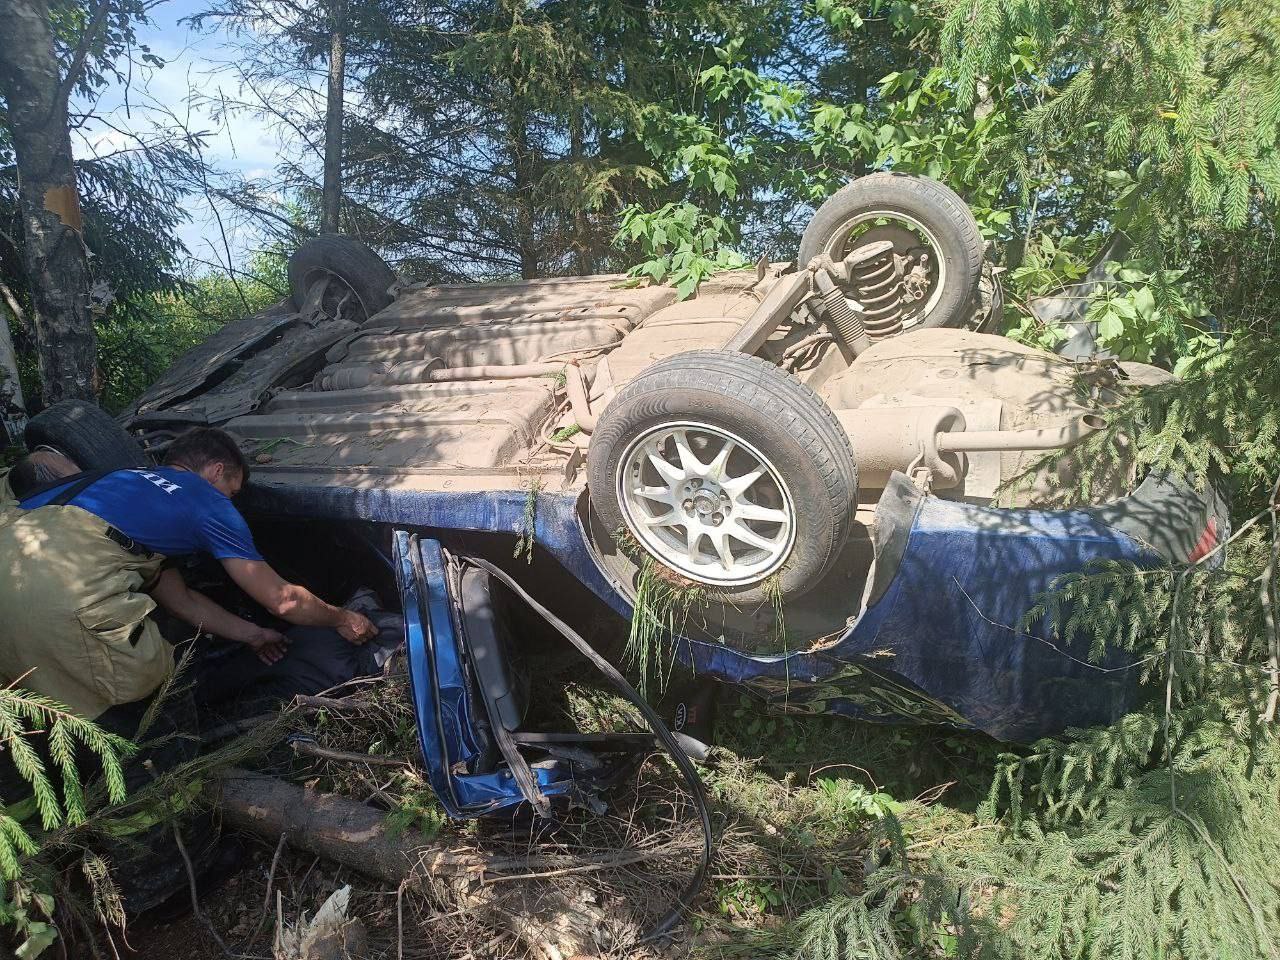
81,570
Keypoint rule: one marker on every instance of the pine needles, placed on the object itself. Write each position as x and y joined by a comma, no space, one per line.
23,714
527,535
1127,875
1190,85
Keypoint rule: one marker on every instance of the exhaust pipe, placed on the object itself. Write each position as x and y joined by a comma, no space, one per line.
1050,438
889,439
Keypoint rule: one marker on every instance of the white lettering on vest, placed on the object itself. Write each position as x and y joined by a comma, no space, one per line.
166,485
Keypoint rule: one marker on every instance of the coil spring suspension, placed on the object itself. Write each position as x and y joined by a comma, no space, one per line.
877,285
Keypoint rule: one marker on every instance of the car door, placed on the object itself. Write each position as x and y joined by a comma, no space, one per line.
478,757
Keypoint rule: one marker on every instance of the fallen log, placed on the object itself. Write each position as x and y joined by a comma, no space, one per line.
335,828
353,834
553,921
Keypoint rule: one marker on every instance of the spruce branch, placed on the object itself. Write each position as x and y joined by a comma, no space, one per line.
25,715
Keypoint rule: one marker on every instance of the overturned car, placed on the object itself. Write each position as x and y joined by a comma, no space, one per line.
810,453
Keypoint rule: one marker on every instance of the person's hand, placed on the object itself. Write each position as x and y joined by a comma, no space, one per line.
356,627
269,645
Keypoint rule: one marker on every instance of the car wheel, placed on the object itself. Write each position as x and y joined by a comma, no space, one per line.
929,277
726,471
87,434
357,282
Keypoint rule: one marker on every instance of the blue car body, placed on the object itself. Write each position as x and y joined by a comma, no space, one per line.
939,638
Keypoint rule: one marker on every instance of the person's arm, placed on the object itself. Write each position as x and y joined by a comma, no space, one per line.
193,607
295,603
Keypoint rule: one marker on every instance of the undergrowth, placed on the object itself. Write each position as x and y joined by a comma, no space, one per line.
660,612
1156,836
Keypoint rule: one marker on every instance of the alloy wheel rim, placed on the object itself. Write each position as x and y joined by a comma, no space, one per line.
707,503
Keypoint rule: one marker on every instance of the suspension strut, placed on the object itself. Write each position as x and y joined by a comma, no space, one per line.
877,285
845,322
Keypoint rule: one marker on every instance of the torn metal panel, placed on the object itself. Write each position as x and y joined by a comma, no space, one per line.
239,384
190,372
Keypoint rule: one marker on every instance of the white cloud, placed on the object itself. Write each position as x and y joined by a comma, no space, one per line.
187,88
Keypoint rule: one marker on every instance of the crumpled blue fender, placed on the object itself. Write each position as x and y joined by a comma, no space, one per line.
939,640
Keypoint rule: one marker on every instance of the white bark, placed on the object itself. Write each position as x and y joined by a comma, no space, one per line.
13,407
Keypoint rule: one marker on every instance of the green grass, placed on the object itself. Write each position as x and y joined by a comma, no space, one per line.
902,761
566,433
808,803
660,612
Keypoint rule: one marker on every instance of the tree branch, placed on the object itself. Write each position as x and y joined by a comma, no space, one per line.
82,53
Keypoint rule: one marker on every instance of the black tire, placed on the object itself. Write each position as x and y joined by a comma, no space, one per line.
352,262
931,204
776,413
85,433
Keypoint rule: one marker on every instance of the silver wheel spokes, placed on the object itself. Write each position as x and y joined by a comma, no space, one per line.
707,504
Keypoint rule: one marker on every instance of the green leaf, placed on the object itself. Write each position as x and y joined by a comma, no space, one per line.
1144,302
1123,307
40,937
1110,325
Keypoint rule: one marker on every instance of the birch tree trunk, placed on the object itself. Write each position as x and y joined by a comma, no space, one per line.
331,194
13,408
54,252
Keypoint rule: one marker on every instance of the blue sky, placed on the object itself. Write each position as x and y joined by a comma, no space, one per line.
246,145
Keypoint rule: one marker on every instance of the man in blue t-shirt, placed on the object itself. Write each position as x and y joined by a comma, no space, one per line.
84,563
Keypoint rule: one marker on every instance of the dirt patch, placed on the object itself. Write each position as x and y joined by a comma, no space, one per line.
231,905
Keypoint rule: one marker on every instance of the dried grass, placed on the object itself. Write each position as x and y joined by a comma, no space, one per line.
610,875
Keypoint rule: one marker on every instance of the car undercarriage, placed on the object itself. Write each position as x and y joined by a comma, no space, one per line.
849,481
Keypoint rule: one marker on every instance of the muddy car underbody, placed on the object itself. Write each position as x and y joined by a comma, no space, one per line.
473,416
